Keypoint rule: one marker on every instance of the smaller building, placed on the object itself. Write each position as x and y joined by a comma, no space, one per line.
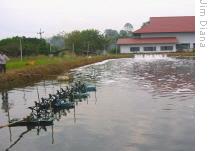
161,34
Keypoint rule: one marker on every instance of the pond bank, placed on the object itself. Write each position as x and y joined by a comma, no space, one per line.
172,54
34,73
181,54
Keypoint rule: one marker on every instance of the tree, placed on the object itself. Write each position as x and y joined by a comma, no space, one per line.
127,30
128,27
57,41
123,34
85,41
92,40
73,40
111,38
31,46
111,34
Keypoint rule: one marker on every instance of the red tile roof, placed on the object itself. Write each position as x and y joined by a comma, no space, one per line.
162,40
168,24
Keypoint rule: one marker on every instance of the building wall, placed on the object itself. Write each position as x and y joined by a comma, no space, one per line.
126,48
181,37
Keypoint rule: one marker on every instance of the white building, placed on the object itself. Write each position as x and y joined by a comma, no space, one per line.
161,34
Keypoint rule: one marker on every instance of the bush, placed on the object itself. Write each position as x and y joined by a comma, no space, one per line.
113,51
30,46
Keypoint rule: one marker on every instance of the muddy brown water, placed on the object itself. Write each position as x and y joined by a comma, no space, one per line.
141,104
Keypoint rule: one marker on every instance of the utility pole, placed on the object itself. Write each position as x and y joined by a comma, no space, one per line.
104,49
40,33
88,48
116,49
50,48
21,50
73,47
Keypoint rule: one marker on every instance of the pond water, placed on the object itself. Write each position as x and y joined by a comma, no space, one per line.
141,104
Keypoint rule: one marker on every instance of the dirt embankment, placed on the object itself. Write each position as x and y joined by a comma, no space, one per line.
181,54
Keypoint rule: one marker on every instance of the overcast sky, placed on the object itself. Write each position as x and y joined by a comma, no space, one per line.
26,17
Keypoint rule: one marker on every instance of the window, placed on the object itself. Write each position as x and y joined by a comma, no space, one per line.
149,48
163,48
134,49
183,46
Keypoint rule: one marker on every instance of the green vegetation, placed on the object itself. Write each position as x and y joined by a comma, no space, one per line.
181,54
30,46
57,41
30,62
15,63
86,41
90,41
113,35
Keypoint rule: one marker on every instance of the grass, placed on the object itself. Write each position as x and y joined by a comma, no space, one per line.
174,54
16,63
181,54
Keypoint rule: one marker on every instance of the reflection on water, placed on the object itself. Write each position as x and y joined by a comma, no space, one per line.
21,136
142,104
